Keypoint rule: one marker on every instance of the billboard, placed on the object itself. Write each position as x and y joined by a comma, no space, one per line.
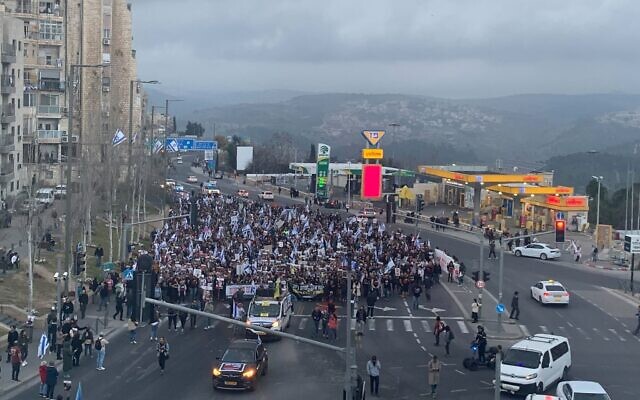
371,182
322,170
244,157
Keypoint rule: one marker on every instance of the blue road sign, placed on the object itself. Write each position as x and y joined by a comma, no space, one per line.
181,144
500,308
205,145
127,274
172,146
559,215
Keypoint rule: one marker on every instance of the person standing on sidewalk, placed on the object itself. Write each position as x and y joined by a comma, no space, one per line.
120,299
448,338
99,253
437,330
15,357
637,327
155,322
492,249
42,371
12,337
51,380
515,306
163,353
373,370
132,327
434,374
417,292
101,347
87,339
103,291
475,308
83,299
23,341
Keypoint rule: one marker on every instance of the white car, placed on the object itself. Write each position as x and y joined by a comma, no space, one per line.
178,188
266,195
169,183
550,292
243,193
60,191
577,390
209,188
192,179
538,250
540,397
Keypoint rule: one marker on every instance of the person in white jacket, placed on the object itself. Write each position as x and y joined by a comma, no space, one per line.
373,370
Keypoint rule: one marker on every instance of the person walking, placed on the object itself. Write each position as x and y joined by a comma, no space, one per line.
12,337
42,372
637,327
76,346
475,308
437,330
51,380
316,316
23,342
492,249
417,292
325,324
101,349
192,316
104,296
515,306
373,370
332,325
434,374
173,319
120,300
448,338
15,357
163,353
372,297
83,299
594,253
132,327
155,322
87,339
361,320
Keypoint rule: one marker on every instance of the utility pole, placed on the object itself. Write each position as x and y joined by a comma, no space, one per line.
500,279
349,363
29,245
481,273
496,392
58,294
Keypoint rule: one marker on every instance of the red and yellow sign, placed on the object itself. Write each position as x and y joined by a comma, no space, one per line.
373,137
372,154
371,182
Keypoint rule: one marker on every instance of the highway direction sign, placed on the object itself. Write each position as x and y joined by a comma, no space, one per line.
205,145
632,244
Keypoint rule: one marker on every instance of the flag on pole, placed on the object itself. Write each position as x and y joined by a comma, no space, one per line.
79,391
135,136
118,138
43,346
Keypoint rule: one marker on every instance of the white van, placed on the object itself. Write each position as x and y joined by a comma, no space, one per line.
45,196
535,363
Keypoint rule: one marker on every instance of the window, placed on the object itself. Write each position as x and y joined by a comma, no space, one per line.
51,30
546,360
559,350
567,391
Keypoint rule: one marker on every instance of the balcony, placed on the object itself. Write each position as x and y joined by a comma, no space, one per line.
7,84
50,63
48,38
7,144
8,114
52,85
50,111
50,136
8,53
6,172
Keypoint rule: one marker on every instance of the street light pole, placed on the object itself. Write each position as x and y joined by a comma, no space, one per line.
166,161
599,179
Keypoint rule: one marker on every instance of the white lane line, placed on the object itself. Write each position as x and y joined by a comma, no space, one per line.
606,339
353,324
230,326
418,341
616,334
407,325
425,326
415,335
372,324
423,348
460,372
570,324
583,332
525,330
458,390
463,327
389,325
544,329
303,322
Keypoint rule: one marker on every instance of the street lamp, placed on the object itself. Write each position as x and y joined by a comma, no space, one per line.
67,221
599,179
166,162
130,133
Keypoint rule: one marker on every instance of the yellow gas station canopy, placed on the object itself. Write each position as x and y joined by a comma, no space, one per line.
517,190
481,177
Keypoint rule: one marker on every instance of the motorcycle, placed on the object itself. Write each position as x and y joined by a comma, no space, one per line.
473,363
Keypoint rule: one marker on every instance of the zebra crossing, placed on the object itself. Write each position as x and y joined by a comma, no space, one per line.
399,324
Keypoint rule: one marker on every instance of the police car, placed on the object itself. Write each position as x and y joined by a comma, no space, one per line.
550,292
269,312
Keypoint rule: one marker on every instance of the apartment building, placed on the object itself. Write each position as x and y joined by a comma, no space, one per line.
12,107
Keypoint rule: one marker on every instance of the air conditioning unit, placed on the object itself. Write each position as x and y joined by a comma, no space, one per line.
106,41
65,139
106,89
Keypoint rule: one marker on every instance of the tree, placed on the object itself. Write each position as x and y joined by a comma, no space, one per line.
312,153
194,129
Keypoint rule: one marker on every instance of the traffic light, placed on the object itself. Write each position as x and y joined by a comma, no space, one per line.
561,226
420,204
485,276
474,275
80,262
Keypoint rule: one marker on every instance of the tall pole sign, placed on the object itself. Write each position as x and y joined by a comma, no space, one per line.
322,170
371,167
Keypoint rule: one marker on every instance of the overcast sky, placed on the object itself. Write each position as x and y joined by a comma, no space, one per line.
448,48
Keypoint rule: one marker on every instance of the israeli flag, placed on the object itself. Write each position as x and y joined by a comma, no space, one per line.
118,138
43,346
79,391
172,146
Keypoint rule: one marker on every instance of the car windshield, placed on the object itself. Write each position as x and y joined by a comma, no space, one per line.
238,355
590,396
522,358
209,186
259,309
555,288
42,195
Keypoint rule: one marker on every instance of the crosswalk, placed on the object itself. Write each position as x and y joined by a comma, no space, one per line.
411,325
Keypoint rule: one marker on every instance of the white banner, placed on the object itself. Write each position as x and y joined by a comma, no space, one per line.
249,290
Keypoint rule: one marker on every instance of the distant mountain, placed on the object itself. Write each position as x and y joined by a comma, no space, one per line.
516,129
577,169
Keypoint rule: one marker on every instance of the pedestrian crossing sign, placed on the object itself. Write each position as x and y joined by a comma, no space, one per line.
128,275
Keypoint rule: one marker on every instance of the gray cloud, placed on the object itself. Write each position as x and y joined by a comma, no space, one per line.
439,47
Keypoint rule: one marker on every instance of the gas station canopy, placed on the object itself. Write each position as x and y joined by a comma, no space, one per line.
481,176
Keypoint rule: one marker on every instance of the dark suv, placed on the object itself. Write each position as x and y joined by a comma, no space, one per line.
239,367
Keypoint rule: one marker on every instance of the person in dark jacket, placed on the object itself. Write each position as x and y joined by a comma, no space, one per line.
67,308
515,306
83,299
372,297
76,347
12,337
119,307
51,380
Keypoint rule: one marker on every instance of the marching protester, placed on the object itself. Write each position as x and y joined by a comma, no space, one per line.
163,353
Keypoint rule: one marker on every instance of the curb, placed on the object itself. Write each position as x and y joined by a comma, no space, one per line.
592,265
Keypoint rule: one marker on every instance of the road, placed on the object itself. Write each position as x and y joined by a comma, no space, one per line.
597,324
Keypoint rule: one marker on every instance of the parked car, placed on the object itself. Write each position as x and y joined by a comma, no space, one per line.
192,179
60,191
542,251
36,207
45,196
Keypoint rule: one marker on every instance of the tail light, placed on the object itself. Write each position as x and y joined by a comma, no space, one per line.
566,294
545,294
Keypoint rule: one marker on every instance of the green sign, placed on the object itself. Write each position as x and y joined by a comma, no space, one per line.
322,171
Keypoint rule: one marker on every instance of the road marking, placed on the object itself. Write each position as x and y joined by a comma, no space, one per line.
544,329
389,325
423,348
458,390
570,324
425,326
353,324
418,341
460,372
407,325
403,317
525,330
303,322
463,327
606,339
616,334
563,329
415,335
583,332
372,324
230,326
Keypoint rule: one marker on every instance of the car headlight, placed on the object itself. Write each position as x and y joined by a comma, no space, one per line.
250,373
275,324
216,372
530,377
248,322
